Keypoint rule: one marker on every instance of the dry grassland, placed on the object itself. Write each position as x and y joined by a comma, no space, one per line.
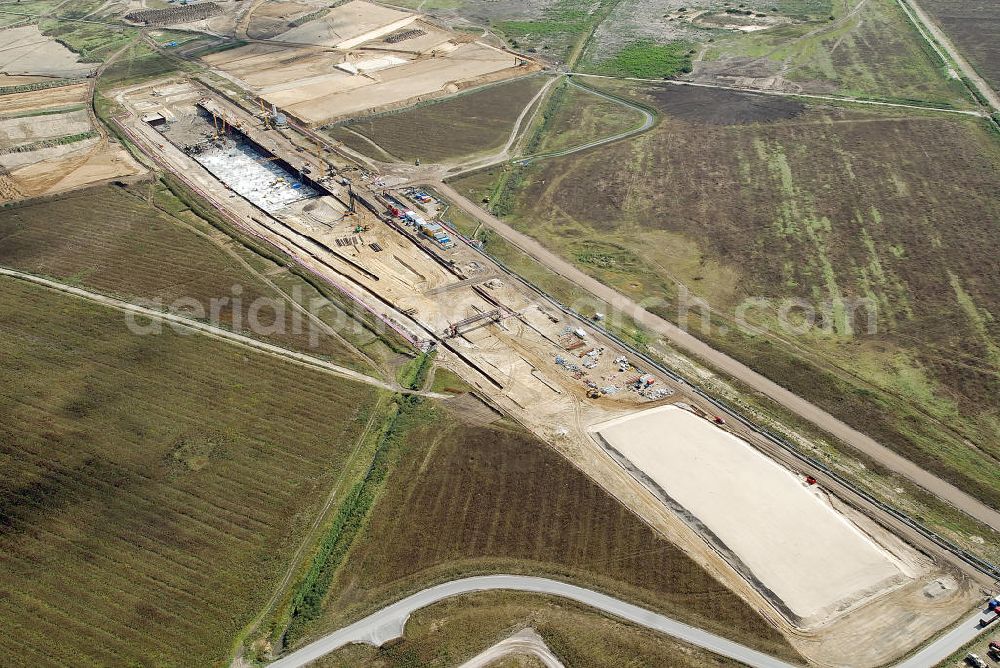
974,28
155,487
113,241
460,126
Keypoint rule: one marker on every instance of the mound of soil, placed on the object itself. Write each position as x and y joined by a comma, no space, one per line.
713,106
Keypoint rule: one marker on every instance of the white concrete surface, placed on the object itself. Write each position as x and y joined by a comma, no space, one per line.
266,184
524,642
763,518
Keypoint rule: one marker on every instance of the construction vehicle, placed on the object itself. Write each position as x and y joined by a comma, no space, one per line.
994,650
976,661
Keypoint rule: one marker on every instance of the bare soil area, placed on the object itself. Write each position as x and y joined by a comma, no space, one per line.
17,103
26,51
305,82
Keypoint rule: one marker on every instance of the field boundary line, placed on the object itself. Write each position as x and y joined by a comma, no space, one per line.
241,340
782,93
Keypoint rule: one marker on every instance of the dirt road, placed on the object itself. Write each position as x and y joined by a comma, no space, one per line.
782,93
924,25
215,332
728,365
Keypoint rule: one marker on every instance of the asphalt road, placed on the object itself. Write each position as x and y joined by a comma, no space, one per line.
388,623
793,402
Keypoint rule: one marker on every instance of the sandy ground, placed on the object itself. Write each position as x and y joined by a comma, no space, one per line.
16,103
26,129
518,356
25,50
782,531
526,642
349,25
69,167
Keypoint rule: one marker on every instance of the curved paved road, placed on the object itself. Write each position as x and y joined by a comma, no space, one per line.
388,623
881,454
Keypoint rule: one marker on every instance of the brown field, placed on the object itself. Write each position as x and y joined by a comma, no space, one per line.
828,205
493,499
458,629
155,487
456,127
114,241
15,103
974,28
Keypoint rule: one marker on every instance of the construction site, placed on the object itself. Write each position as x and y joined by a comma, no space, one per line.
359,58
50,143
843,570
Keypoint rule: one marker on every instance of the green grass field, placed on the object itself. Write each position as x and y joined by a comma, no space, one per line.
825,204
581,117
155,486
463,499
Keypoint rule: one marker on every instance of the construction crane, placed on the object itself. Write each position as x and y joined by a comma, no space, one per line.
265,117
463,326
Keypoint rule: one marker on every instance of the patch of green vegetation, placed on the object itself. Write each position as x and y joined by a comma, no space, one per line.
646,59
94,42
51,143
604,255
307,602
446,380
581,117
44,112
139,63
413,374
